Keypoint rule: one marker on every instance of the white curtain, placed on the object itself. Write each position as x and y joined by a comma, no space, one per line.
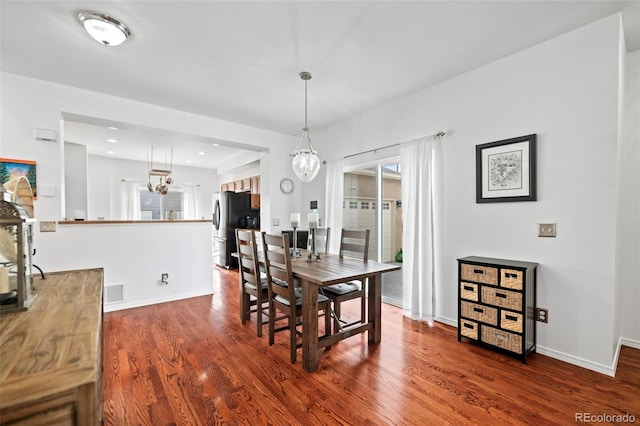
130,204
334,196
420,161
190,205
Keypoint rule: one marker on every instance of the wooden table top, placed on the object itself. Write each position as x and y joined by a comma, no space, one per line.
330,269
54,346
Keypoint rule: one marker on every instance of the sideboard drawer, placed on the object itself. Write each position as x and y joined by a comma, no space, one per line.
477,273
469,291
502,339
479,312
511,321
469,329
502,298
511,278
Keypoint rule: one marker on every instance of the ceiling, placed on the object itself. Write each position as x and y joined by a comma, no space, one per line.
239,60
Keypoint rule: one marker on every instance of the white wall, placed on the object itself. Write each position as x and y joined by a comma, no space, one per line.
132,255
136,255
565,90
628,232
75,178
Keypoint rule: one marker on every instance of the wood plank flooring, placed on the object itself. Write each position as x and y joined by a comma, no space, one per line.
192,362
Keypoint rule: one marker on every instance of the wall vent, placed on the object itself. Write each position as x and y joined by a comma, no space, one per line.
114,293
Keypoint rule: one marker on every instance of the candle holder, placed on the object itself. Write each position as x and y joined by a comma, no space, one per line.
312,249
295,251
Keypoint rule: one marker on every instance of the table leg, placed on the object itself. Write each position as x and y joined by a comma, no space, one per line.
310,358
375,308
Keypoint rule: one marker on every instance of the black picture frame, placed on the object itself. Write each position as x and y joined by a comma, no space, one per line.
506,170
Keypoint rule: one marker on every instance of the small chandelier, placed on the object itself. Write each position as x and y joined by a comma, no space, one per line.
306,162
164,174
104,28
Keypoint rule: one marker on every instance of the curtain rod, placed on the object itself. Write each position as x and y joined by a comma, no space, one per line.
144,181
440,135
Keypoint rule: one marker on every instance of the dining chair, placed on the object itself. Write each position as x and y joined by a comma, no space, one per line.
322,239
284,296
253,284
353,244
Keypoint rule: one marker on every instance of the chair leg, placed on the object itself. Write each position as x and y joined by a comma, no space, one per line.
292,337
336,310
327,320
259,316
245,307
362,302
272,315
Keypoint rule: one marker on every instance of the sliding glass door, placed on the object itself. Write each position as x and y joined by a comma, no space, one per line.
372,201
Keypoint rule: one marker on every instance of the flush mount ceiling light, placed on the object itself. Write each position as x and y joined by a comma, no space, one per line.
306,162
104,28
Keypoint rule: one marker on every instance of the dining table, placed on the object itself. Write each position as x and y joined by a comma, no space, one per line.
313,273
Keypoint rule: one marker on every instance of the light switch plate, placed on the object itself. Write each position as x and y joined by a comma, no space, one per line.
47,226
276,222
546,230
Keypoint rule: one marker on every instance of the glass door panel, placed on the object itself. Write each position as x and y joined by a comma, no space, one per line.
365,190
391,231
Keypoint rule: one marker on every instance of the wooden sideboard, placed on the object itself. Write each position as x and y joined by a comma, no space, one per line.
51,355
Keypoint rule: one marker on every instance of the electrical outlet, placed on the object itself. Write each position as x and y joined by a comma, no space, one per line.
546,230
542,315
47,226
165,278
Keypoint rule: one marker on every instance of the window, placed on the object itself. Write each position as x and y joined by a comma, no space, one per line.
153,206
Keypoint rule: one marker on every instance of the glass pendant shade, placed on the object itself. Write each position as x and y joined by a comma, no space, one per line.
103,28
306,163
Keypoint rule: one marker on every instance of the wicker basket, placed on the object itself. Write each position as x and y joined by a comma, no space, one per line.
469,291
510,278
480,313
511,321
479,274
502,339
469,329
503,298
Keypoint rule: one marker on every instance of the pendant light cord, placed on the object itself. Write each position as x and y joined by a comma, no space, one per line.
306,127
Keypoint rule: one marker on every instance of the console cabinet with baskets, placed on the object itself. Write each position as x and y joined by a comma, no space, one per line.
497,302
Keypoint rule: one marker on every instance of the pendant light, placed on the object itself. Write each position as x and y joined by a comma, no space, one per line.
306,162
104,28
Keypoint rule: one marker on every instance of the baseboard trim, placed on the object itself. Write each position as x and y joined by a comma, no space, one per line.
447,321
112,307
635,344
609,370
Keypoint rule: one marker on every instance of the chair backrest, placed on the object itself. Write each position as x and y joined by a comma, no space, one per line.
248,262
277,260
355,244
322,239
302,236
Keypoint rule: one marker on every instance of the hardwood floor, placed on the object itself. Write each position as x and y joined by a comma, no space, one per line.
192,362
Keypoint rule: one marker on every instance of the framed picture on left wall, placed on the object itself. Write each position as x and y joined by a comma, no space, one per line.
506,170
12,170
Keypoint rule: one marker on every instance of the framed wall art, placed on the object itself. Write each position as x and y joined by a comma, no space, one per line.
11,170
506,170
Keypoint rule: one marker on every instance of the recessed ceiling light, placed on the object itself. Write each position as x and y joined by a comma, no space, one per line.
202,153
112,140
113,128
110,152
216,144
105,29
188,161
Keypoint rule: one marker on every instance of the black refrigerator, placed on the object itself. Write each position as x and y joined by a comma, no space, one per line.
231,210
